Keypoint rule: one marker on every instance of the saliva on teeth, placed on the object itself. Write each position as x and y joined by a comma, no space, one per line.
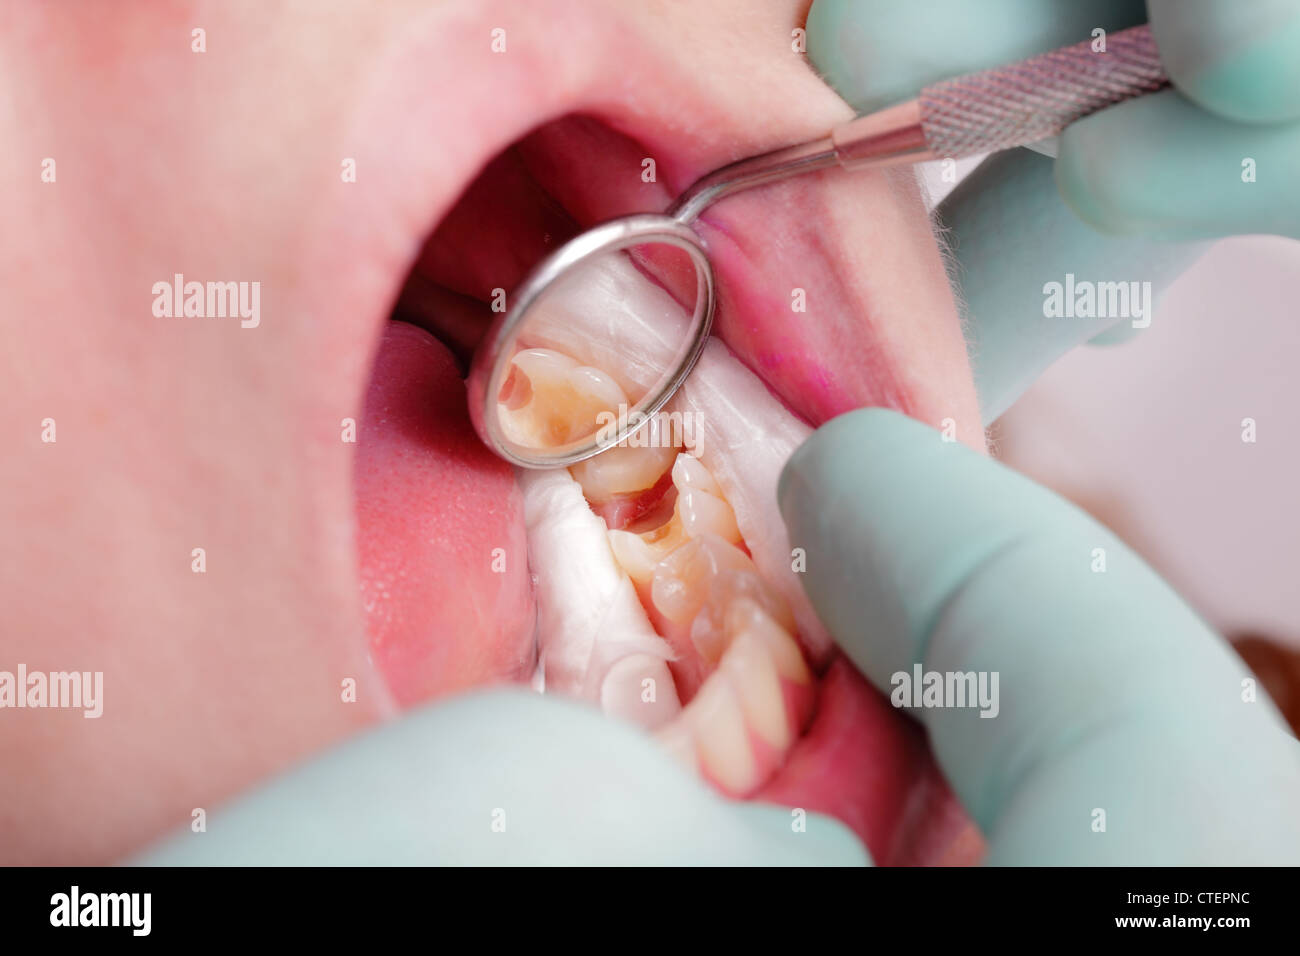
733,656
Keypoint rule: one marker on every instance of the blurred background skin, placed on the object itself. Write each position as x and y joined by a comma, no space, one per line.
1146,436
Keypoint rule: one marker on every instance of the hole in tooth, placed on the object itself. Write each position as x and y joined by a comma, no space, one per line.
655,524
564,399
516,390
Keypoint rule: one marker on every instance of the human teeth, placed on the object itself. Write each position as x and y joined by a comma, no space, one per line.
748,664
746,617
721,736
549,399
682,580
688,472
622,470
616,320
703,513
635,555
717,575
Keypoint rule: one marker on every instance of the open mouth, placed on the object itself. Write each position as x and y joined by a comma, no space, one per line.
657,581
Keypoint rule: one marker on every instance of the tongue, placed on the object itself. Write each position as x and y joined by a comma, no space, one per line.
440,529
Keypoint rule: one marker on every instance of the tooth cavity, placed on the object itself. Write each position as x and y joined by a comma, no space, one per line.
548,399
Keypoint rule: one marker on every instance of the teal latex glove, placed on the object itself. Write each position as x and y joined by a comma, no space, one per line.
1163,167
502,778
1114,696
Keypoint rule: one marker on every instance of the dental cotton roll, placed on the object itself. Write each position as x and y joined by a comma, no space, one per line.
596,641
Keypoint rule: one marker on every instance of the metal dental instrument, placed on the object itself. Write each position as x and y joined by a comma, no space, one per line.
978,113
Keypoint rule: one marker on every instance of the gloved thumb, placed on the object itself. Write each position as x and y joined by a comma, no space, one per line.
1120,730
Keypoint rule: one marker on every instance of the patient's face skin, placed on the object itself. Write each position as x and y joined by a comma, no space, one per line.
181,433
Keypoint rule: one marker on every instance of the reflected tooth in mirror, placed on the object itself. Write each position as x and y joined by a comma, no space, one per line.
749,666
721,735
564,399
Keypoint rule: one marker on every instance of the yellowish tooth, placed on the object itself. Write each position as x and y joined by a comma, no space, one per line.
703,513
640,689
621,470
544,367
745,616
721,735
600,387
564,399
678,597
634,555
689,472
749,666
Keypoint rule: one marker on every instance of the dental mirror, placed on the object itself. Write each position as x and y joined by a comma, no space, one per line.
607,327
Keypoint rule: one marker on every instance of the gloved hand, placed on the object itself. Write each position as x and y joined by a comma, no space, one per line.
1217,156
504,777
1113,696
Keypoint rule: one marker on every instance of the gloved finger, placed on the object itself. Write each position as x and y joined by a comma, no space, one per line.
502,778
1122,731
1015,242
1162,167
878,52
1239,60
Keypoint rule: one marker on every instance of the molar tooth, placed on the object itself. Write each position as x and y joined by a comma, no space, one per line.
722,737
745,616
564,399
599,386
701,513
623,692
621,470
749,665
